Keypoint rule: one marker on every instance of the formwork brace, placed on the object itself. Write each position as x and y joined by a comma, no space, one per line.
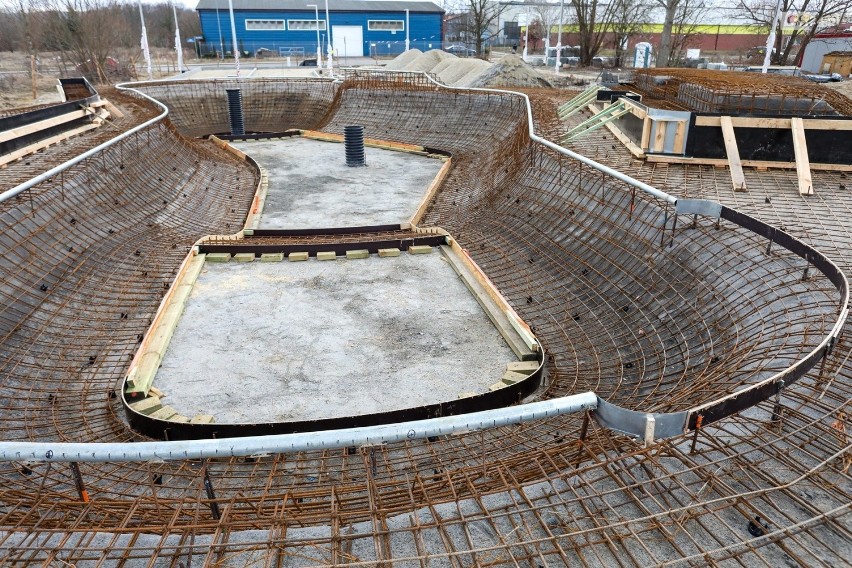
573,106
613,112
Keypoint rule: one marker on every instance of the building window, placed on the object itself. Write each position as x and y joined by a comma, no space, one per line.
257,25
305,25
385,25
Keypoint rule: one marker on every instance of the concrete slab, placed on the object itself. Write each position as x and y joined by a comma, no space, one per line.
310,185
309,340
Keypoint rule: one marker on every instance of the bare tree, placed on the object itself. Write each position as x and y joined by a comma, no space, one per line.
690,13
29,24
10,29
809,16
87,33
665,54
627,19
594,21
548,16
680,27
480,23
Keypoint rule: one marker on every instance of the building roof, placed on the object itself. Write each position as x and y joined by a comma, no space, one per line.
335,6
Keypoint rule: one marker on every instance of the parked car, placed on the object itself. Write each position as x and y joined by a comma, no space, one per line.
461,50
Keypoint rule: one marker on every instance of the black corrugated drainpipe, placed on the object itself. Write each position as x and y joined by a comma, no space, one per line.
235,112
353,140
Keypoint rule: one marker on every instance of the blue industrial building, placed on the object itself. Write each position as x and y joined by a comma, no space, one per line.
358,28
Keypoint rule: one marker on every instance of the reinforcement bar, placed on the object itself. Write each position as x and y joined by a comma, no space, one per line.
299,442
710,411
88,153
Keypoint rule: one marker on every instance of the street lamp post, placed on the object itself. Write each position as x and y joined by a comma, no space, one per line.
235,48
527,35
328,25
319,48
407,33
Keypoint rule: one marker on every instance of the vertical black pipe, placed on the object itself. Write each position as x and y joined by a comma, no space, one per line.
235,112
353,140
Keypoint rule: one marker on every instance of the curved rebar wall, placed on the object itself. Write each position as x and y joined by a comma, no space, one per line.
648,315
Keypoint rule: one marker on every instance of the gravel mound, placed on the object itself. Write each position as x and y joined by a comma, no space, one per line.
511,71
400,61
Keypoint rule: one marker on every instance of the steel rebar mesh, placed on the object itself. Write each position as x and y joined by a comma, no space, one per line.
731,92
527,495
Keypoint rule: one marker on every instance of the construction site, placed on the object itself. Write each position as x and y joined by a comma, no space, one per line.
431,314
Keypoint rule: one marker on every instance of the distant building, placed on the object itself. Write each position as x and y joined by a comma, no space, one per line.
811,58
715,30
288,27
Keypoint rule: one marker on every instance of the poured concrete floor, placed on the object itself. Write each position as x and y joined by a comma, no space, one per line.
310,185
292,341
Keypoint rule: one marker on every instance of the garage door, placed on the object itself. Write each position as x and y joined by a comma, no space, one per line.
348,40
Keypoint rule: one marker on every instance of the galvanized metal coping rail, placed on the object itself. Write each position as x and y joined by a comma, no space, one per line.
8,194
643,425
306,441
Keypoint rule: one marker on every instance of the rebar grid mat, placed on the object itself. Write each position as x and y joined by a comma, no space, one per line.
292,240
734,92
649,317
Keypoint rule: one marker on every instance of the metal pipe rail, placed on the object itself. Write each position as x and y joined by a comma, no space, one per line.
305,441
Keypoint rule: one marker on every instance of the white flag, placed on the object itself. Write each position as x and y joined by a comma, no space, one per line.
177,42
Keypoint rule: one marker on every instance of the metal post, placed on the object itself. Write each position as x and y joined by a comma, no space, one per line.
319,48
329,48
407,33
221,38
208,488
559,37
771,38
527,36
78,482
235,47
698,423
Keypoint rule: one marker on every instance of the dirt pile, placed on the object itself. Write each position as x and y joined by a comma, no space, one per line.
510,71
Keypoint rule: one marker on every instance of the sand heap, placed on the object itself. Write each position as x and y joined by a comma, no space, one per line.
428,60
450,70
400,61
510,71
